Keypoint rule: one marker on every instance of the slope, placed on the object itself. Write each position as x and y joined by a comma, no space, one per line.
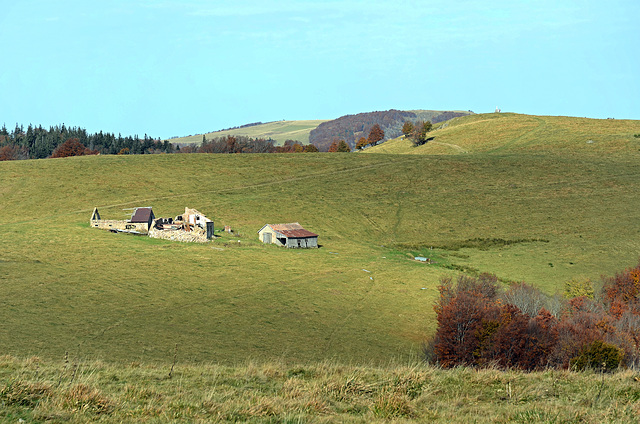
513,133
360,298
280,131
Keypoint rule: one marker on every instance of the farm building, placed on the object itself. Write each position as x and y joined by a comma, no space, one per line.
288,235
140,222
191,226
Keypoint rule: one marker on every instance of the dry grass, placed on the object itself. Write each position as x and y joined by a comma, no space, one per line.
512,133
322,392
280,131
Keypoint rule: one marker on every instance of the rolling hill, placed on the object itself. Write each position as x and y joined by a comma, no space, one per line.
280,131
498,133
536,211
323,132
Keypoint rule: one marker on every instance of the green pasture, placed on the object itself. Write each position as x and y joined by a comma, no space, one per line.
515,133
280,131
360,298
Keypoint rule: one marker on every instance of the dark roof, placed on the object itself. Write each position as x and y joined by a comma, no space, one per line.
142,215
292,230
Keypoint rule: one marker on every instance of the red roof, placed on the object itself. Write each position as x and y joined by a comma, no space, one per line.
292,230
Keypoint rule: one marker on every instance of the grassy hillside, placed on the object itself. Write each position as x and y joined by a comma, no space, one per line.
513,133
33,390
279,131
64,286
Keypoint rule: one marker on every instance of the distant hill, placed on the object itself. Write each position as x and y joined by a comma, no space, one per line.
322,132
279,131
510,132
351,127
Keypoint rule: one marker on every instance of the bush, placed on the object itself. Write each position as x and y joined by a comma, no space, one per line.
598,356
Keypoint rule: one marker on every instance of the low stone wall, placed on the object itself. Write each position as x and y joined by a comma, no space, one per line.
179,235
111,224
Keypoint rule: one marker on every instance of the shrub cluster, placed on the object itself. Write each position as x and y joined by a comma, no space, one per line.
522,328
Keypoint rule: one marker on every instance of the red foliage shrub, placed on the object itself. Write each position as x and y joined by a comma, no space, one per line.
12,153
479,326
72,147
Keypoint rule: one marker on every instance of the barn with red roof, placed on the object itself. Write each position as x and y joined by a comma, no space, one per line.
291,235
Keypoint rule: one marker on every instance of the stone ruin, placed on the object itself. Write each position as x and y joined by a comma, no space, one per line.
192,226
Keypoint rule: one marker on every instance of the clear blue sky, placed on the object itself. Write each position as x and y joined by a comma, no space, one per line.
172,68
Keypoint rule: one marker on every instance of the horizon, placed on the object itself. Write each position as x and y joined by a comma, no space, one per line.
170,69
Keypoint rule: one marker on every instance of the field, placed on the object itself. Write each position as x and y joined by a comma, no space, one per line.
33,390
280,131
542,217
514,133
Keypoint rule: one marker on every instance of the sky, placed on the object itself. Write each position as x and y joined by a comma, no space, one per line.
173,68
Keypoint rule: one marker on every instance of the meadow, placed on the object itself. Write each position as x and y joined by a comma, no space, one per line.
33,390
64,287
496,133
279,131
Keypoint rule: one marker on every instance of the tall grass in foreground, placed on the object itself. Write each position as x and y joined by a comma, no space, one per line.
37,391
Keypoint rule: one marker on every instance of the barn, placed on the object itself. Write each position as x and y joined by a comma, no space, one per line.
291,235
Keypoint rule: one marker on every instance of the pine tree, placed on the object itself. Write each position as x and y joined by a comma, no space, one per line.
343,147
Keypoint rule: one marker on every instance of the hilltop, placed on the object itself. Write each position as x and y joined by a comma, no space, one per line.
280,131
500,133
323,132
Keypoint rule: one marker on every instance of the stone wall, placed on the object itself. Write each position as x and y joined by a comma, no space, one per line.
196,236
115,225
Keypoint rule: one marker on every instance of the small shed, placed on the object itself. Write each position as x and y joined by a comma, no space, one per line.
291,235
143,216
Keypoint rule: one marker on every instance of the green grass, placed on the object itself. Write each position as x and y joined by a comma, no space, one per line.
500,133
77,391
280,131
67,287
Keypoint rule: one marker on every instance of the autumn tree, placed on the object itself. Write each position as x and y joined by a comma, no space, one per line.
407,128
334,147
311,148
13,153
362,142
420,131
375,135
71,147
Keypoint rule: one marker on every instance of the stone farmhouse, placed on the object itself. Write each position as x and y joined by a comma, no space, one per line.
291,235
191,226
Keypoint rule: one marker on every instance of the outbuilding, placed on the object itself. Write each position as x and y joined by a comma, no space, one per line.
291,235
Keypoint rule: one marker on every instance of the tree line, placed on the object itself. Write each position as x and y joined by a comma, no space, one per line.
39,143
353,128
478,324
244,144
62,141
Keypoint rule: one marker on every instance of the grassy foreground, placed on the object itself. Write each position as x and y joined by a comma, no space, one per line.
44,391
